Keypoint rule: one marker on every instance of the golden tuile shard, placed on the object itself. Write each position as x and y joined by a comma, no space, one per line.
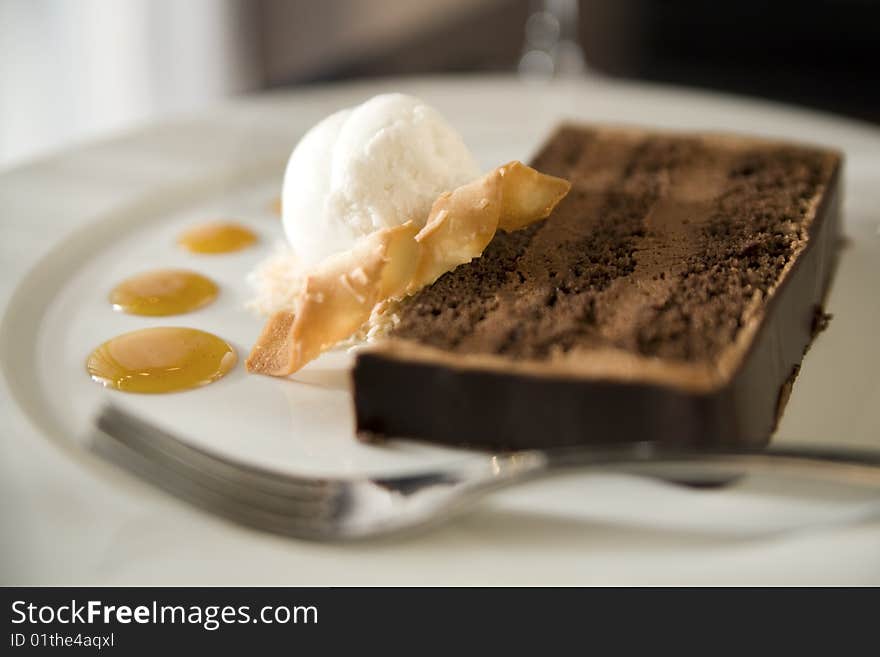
339,295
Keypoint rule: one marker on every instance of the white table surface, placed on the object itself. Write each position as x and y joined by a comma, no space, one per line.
66,520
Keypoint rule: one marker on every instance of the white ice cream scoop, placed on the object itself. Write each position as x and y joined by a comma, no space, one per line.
373,166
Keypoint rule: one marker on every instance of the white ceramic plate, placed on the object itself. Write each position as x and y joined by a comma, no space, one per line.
59,310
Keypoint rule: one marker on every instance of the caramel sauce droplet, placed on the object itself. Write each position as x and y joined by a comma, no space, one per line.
217,237
163,359
163,292
275,206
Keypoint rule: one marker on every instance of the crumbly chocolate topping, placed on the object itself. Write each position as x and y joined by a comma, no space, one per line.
662,248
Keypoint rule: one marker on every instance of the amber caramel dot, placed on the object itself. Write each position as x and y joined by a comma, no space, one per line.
163,292
275,206
216,237
163,359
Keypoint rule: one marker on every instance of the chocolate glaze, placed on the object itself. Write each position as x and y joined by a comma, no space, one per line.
670,297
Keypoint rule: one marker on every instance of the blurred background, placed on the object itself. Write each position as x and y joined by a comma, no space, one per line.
76,69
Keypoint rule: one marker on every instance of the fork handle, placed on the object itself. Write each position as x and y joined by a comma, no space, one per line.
713,466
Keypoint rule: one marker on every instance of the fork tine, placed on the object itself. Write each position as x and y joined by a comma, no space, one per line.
155,464
287,519
131,445
147,440
325,509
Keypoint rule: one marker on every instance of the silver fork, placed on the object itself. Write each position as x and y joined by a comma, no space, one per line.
336,509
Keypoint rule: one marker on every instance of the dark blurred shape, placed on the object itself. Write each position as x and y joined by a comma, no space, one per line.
818,53
306,41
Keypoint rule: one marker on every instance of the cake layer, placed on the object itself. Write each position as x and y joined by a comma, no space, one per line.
670,296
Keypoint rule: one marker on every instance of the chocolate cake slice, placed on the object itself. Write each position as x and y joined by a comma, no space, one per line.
670,296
